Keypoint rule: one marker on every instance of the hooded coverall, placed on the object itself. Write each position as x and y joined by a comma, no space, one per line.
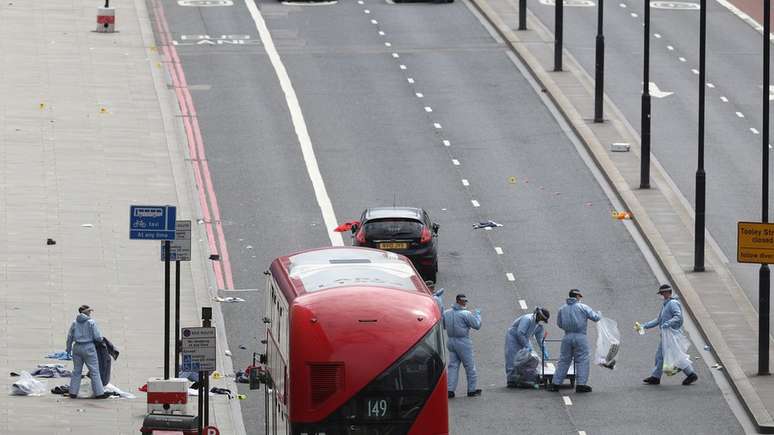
670,316
518,336
80,341
573,319
458,321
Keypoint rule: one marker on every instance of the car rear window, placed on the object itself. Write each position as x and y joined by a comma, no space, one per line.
393,228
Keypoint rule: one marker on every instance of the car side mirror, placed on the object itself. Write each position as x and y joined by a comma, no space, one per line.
435,228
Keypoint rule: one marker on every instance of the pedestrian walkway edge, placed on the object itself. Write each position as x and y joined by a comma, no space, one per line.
736,376
225,414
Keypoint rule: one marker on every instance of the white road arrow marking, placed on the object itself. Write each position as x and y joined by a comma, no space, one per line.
656,92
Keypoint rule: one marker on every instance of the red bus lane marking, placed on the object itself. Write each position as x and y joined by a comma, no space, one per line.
206,192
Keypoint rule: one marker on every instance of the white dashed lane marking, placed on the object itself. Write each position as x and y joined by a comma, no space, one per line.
403,67
754,131
657,35
724,99
381,33
410,80
682,59
428,109
437,125
509,276
395,55
567,400
367,11
475,203
446,143
634,15
670,48
419,95
581,432
387,44
710,85
523,304
623,5
740,114
695,71
499,250
455,162
374,22
465,182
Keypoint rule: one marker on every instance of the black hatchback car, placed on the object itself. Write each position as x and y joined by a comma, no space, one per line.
405,230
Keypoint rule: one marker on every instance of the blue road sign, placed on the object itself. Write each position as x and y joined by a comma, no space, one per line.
152,222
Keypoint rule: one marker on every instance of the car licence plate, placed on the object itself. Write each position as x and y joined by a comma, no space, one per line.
393,245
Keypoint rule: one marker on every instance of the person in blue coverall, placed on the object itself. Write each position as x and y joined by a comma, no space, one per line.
83,333
671,316
573,318
458,321
518,335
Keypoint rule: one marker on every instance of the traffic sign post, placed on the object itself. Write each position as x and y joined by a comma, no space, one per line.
156,222
180,250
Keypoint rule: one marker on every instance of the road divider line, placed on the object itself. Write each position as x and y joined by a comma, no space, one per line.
297,117
374,22
567,400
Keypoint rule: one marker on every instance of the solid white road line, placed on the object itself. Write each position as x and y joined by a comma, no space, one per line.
567,400
299,124
509,276
499,250
523,304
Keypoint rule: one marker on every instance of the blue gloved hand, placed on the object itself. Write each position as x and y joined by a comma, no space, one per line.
70,355
478,311
545,354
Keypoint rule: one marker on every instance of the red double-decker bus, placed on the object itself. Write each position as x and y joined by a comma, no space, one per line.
354,346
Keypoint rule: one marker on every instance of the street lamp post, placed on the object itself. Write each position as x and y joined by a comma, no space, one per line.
558,33
645,108
701,176
522,14
764,275
599,65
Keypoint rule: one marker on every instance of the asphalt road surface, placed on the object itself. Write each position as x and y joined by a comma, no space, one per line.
733,119
378,123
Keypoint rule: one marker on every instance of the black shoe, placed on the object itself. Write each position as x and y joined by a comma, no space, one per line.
102,396
474,393
582,389
451,394
690,379
72,396
652,380
552,388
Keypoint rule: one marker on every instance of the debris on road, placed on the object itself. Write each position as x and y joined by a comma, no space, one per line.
487,224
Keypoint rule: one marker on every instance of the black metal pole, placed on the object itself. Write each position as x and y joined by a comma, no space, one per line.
166,308
200,402
645,109
177,318
205,380
599,65
107,3
764,276
701,176
558,33
522,14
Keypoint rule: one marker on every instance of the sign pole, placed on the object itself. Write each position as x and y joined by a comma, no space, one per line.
205,379
177,318
166,308
764,288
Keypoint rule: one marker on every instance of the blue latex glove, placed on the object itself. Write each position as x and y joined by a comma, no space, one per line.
545,354
478,311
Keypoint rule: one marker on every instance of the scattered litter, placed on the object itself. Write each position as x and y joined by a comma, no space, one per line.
621,215
242,396
230,299
50,241
557,193
717,366
487,224
61,389
51,371
216,374
512,180
60,356
144,388
28,386
243,347
13,374
80,410
224,391
346,226
706,348
110,388
588,204
87,225
227,352
620,147
249,247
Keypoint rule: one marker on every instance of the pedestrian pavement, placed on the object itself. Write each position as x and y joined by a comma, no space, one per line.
88,126
726,318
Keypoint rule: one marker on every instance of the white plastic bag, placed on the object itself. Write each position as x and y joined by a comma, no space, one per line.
675,346
608,343
27,385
